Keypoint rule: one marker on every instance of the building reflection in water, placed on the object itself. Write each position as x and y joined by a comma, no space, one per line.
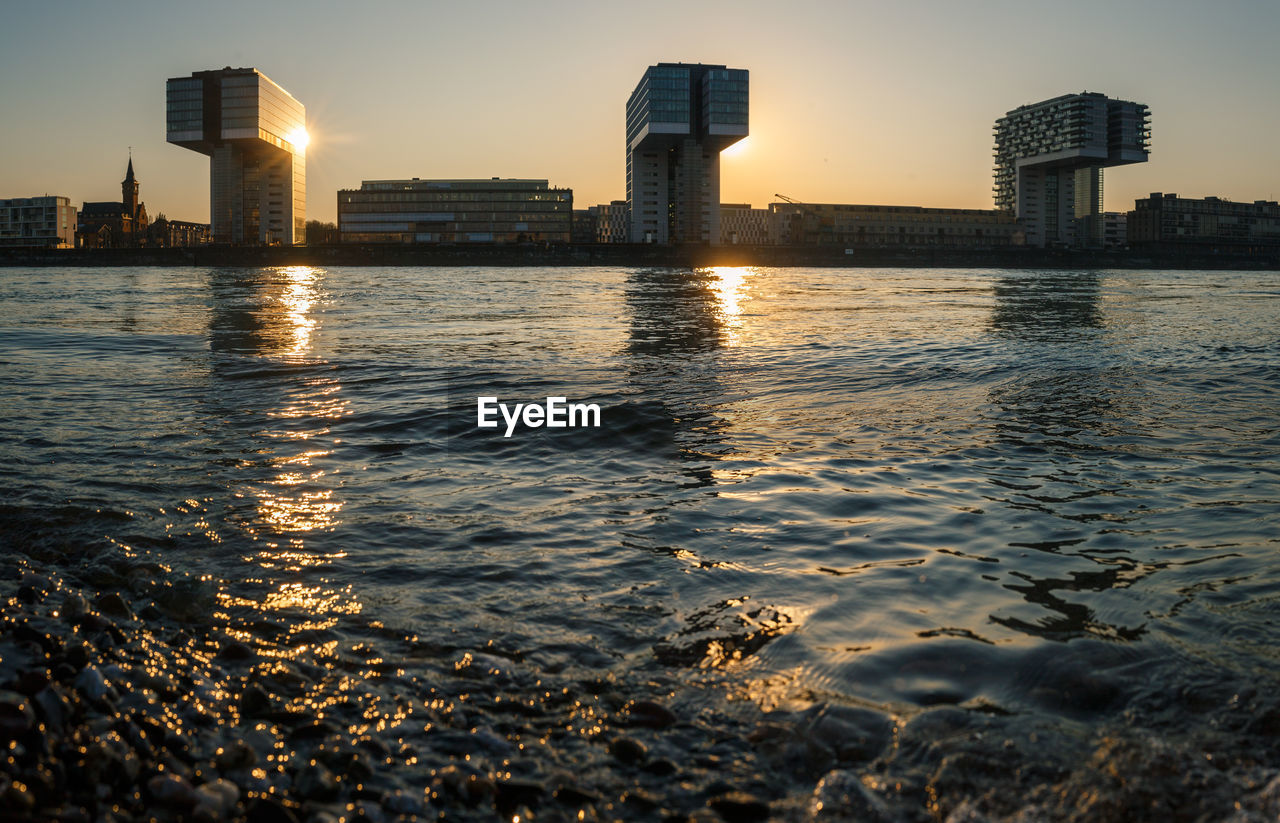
1055,428
682,321
288,398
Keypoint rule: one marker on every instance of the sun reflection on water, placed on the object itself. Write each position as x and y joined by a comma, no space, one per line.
299,502
298,298
728,287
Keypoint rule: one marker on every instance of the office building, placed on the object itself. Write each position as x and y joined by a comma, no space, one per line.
849,225
455,211
1115,230
115,225
255,135
679,118
611,221
1049,160
583,229
1173,222
48,222
742,225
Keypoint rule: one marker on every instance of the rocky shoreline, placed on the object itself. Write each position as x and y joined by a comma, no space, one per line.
130,692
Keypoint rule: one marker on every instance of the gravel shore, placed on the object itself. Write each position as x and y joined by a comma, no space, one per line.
130,692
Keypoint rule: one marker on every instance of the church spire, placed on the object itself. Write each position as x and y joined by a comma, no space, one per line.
129,189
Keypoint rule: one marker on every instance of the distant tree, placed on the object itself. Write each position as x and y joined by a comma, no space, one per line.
319,233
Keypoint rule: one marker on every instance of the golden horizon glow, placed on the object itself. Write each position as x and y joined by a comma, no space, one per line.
829,121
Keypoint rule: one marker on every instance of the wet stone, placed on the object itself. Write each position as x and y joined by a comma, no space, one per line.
31,681
648,714
236,651
254,702
74,605
628,750
172,791
313,731
510,794
265,810
16,716
235,756
15,796
660,767
113,604
315,782
572,794
92,684
850,734
401,802
739,807
841,796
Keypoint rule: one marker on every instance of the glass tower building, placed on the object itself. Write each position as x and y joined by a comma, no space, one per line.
1049,160
255,134
679,118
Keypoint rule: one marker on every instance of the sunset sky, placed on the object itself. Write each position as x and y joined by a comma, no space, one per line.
851,102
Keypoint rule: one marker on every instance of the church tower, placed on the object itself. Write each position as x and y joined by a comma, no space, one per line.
129,192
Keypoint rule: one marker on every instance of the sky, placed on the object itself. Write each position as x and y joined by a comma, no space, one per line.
851,102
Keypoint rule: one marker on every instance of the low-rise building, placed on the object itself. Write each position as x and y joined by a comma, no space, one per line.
611,221
857,225
1115,229
455,211
48,221
742,225
167,233
584,226
1210,223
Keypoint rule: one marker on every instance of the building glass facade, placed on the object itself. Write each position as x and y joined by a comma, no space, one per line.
1167,220
1049,160
48,222
852,225
679,118
455,211
255,135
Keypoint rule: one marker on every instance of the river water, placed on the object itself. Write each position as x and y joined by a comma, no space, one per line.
1043,494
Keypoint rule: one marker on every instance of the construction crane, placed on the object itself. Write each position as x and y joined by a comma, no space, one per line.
796,225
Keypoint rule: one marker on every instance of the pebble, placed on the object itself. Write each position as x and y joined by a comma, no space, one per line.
403,802
648,714
739,807
315,782
16,716
74,605
266,810
16,796
113,604
235,756
254,702
852,734
172,791
92,684
216,799
841,796
628,750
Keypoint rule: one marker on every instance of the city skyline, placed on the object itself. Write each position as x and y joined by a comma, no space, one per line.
853,103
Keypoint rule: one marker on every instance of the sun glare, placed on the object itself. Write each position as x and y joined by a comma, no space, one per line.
737,149
299,138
